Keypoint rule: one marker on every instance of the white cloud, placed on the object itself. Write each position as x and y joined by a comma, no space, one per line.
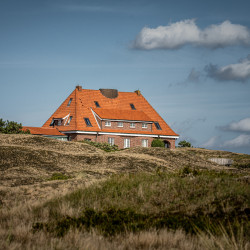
242,125
213,141
176,35
232,72
239,141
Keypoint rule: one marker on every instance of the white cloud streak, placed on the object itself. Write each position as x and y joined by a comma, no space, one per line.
213,141
240,126
176,35
232,72
239,141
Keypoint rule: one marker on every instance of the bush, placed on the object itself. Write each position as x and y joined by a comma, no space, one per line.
104,146
11,127
157,143
184,144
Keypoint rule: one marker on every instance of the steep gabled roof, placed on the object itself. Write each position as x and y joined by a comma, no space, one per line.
83,104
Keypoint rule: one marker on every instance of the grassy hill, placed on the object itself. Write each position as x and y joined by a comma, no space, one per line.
71,195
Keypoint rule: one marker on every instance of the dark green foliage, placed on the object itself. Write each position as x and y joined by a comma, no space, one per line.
183,144
157,143
113,221
11,127
59,176
104,146
192,200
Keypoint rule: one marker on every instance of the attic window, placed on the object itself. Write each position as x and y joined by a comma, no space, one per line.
70,118
97,104
132,106
70,100
157,125
52,122
87,121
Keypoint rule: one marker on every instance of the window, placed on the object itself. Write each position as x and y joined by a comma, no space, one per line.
69,120
126,143
70,100
132,106
107,123
87,121
87,139
111,141
52,122
120,124
97,104
144,143
144,125
157,125
132,125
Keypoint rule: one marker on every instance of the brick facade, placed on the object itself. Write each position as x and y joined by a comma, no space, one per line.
135,141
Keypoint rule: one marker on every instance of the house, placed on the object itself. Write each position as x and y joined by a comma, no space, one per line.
106,115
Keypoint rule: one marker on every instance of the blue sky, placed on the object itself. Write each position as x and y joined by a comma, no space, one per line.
190,59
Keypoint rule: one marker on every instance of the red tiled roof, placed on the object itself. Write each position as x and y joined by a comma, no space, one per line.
83,102
43,131
116,114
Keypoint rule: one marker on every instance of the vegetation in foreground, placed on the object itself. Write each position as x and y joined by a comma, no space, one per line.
139,206
209,209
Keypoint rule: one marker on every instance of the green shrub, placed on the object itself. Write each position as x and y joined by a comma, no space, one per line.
183,144
102,145
157,143
59,176
11,127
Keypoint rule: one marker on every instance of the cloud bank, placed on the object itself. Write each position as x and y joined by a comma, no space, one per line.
176,35
232,72
239,141
240,126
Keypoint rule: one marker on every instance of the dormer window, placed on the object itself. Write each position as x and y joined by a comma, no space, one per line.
132,106
157,125
144,125
70,100
132,125
69,120
120,124
107,123
87,121
56,122
97,104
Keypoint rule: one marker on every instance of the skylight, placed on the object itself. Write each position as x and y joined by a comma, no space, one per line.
97,104
157,125
132,106
70,100
87,121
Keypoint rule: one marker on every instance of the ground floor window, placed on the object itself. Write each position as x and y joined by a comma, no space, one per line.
144,143
111,141
126,143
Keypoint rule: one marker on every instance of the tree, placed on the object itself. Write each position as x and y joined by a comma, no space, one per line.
183,144
11,127
157,143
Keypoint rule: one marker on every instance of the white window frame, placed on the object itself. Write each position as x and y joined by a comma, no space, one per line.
132,125
126,143
111,141
144,125
107,123
144,143
120,124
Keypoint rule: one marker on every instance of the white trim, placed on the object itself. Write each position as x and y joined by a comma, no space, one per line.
122,134
79,132
95,118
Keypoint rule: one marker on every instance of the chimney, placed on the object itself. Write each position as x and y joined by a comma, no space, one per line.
79,87
138,92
